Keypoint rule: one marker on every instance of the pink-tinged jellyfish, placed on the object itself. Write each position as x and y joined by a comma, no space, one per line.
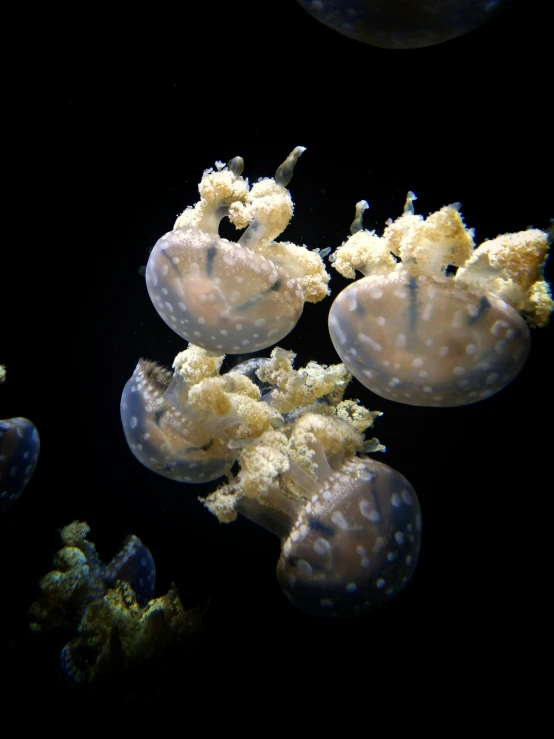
19,449
235,297
350,527
414,333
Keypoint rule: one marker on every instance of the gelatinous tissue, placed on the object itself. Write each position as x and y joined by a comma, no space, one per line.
413,332
350,526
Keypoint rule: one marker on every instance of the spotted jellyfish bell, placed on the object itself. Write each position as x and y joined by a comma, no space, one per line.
232,297
189,425
350,526
166,434
413,333
19,449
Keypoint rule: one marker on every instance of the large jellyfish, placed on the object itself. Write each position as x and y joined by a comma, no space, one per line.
235,297
413,332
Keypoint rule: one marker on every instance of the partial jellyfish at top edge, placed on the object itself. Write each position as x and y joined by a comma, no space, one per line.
403,24
413,332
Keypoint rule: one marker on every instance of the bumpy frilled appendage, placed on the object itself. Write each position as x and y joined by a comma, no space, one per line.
235,297
111,607
350,527
411,332
190,425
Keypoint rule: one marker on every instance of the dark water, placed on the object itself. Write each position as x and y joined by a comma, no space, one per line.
110,129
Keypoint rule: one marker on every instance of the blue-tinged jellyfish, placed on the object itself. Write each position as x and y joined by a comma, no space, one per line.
170,435
19,450
435,321
403,24
235,297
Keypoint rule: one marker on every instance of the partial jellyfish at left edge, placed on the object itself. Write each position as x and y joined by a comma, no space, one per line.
19,450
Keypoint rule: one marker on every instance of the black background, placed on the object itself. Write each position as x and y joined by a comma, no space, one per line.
110,122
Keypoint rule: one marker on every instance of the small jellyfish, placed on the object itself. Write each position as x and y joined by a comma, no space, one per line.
350,526
235,297
19,449
403,24
414,333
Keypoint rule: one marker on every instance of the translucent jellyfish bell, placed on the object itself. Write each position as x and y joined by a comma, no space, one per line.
414,334
232,297
19,449
350,527
403,24
166,434
189,424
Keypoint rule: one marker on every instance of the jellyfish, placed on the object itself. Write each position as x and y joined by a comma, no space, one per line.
188,425
403,24
435,322
19,449
235,297
350,526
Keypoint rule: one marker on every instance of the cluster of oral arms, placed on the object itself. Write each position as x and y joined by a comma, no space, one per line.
410,330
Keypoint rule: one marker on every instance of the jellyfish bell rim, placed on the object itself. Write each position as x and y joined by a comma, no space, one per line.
450,290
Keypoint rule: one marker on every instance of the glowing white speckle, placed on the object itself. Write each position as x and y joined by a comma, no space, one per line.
321,546
400,341
304,567
364,339
339,519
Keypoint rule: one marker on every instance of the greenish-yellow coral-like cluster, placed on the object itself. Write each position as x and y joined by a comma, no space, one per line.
112,631
509,266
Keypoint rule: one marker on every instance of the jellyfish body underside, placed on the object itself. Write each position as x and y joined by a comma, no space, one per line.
225,298
424,341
